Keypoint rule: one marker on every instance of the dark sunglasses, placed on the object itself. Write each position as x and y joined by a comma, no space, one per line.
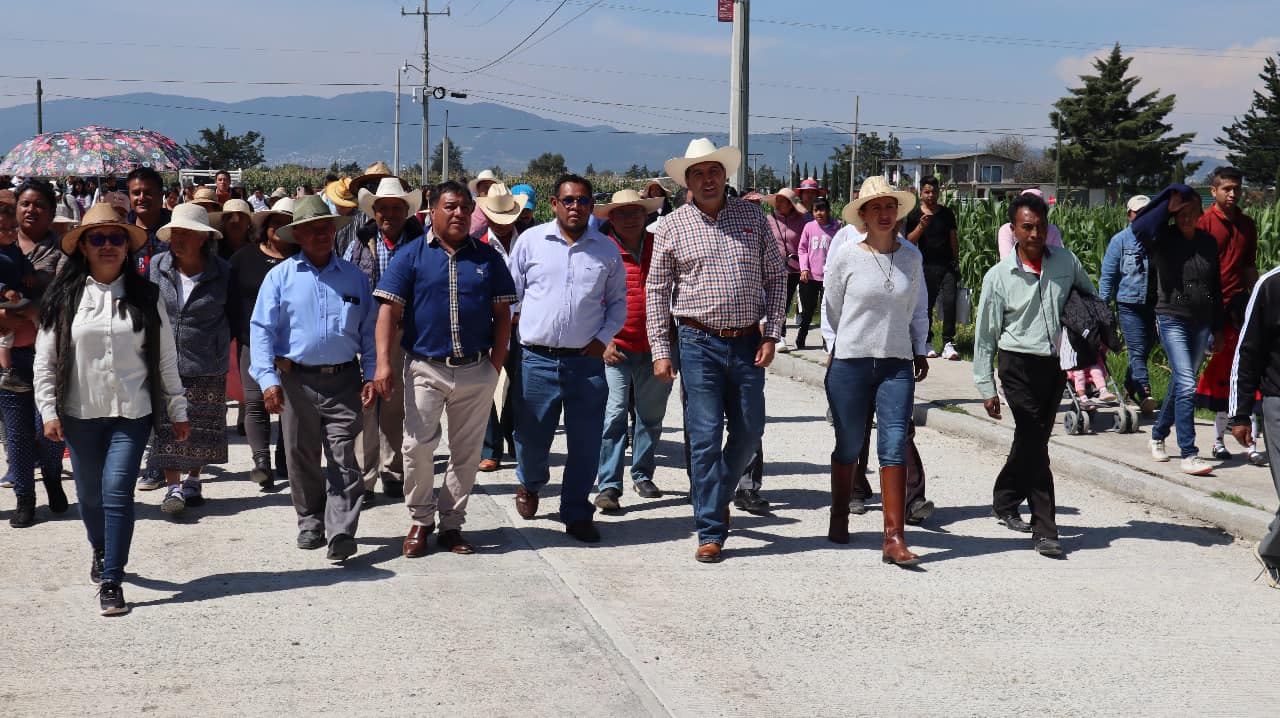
98,239
578,201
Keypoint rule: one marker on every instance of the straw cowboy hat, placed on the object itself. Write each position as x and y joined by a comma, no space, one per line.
702,150
788,194
207,198
102,215
627,198
484,176
500,206
231,206
340,193
373,173
279,193
872,188
188,215
313,209
283,207
394,188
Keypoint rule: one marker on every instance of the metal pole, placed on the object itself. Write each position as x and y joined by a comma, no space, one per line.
39,108
739,90
791,156
444,150
395,162
426,131
1057,162
853,148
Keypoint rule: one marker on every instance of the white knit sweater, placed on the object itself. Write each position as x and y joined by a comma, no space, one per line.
867,319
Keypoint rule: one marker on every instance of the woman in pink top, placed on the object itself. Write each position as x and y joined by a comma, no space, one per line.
815,240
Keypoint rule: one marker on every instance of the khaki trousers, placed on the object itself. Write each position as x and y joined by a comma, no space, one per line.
382,433
464,396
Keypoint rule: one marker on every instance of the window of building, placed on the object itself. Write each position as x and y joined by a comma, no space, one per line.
992,174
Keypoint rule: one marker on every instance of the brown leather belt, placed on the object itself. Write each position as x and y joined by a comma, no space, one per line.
722,333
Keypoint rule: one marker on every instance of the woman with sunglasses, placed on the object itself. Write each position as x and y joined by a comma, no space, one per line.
105,371
24,434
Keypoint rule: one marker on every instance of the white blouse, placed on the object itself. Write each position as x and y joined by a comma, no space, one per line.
108,364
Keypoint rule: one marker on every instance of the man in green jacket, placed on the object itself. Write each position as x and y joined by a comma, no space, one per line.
1020,313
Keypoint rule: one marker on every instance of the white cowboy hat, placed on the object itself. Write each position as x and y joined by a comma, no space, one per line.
500,206
626,198
873,187
311,208
788,194
484,176
702,150
393,188
188,215
283,207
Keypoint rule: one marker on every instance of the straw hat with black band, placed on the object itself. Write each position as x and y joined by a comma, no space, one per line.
627,198
97,217
874,188
311,209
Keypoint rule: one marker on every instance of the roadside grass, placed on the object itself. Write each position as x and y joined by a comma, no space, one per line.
1234,499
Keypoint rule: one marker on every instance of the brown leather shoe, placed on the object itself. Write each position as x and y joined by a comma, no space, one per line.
453,541
415,544
488,465
708,553
526,503
841,492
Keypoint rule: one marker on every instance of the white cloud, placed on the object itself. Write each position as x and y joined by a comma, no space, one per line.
718,45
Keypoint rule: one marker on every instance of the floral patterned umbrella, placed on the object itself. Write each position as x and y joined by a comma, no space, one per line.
94,152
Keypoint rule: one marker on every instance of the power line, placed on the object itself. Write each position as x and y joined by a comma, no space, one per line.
495,15
515,47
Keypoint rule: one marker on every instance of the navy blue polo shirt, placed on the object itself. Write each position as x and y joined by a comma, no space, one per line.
448,298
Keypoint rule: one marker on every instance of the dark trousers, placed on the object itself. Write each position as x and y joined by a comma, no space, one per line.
810,296
941,281
257,420
793,281
1033,390
502,427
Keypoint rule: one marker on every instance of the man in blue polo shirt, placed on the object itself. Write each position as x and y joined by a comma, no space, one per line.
456,337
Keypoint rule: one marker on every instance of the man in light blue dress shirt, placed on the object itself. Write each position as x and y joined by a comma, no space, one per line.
311,340
572,289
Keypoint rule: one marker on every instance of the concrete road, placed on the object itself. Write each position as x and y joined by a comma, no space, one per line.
1148,614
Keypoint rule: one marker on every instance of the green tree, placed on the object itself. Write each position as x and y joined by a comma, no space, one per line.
218,149
350,169
547,164
455,159
767,178
1112,141
1253,141
872,152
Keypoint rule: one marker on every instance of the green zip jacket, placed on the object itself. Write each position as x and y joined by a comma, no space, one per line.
1022,312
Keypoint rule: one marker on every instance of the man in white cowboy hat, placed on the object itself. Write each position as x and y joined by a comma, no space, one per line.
312,342
787,222
391,229
479,188
718,274
452,294
629,361
502,209
573,293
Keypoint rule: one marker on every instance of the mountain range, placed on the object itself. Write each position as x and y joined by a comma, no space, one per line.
359,127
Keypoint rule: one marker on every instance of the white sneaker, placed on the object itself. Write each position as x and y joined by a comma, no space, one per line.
1196,466
949,352
932,354
783,347
1157,450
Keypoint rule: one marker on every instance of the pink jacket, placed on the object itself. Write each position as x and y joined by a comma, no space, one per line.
1005,238
815,240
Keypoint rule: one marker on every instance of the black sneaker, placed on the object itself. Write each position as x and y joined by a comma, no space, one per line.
1048,547
341,548
310,539
260,474
95,568
647,489
111,600
749,500
607,500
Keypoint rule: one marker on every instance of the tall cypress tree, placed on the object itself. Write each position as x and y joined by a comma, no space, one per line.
1110,140
1253,141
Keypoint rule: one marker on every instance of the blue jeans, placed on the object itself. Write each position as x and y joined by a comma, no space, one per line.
1184,341
852,384
105,456
633,374
576,384
24,433
1138,324
721,383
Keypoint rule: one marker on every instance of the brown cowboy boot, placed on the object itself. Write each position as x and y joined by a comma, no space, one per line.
841,491
893,499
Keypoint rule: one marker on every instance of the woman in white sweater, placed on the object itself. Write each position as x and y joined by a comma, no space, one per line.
105,365
877,306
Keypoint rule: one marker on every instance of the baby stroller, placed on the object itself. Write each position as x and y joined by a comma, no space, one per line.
1089,328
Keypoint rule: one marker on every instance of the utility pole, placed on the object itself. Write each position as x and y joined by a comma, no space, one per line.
444,150
1057,162
739,90
791,156
853,148
395,161
426,91
39,108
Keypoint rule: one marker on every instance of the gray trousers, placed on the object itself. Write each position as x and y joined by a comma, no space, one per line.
1269,548
380,446
323,410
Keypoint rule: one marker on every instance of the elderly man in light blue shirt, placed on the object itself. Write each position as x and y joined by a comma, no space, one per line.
572,288
311,339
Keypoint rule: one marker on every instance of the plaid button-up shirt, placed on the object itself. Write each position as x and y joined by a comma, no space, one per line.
725,272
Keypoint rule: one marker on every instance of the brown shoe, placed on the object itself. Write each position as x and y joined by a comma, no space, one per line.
489,465
841,492
453,540
708,553
526,503
415,544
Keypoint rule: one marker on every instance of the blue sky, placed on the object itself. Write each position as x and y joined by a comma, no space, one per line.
946,65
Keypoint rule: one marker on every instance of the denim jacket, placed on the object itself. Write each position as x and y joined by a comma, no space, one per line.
1124,270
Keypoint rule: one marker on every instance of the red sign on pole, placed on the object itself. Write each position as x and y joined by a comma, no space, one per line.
724,10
